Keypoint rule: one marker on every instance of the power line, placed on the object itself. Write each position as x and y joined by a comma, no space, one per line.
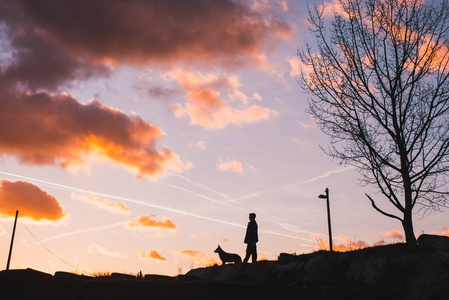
51,252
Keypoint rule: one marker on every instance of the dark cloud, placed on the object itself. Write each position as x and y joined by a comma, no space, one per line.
157,30
159,92
35,60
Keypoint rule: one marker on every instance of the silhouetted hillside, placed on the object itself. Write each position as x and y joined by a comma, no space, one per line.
384,272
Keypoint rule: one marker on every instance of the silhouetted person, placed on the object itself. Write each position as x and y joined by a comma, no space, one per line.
251,238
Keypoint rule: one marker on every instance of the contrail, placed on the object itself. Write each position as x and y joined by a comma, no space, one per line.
200,185
201,196
224,203
104,227
161,207
256,194
99,228
157,206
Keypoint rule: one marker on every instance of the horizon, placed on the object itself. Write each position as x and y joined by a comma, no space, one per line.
134,143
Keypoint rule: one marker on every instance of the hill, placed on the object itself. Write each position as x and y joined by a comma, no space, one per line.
383,272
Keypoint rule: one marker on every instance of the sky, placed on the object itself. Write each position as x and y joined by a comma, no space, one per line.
138,136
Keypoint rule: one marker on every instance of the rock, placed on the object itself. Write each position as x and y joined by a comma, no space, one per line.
26,273
123,276
158,277
433,243
70,276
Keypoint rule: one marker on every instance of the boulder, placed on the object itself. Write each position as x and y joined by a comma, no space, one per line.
433,243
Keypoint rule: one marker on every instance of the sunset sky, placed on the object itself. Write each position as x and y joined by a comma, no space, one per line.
139,135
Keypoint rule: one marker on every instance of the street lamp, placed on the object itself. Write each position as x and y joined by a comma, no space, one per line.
321,196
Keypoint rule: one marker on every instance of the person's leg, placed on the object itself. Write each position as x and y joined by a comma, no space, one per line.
246,257
251,251
254,254
248,253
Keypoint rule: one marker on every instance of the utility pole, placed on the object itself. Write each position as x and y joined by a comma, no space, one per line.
12,240
321,196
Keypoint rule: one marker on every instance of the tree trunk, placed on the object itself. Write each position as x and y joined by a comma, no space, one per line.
407,221
407,224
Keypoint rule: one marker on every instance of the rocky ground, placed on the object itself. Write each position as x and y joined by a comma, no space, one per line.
384,272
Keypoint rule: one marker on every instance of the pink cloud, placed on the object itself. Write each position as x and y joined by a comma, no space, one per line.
30,201
205,105
54,129
95,248
295,66
332,7
230,166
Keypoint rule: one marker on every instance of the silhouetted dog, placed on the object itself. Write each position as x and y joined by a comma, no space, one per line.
228,257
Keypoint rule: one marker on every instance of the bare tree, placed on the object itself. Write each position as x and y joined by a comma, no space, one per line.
379,82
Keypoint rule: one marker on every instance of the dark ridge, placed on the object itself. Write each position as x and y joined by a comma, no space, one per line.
383,272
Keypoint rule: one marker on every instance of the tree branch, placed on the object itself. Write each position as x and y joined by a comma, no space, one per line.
381,211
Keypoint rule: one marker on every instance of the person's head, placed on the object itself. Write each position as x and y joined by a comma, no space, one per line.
252,216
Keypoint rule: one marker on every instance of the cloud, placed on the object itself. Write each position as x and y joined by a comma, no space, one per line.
150,222
54,129
350,244
202,145
33,58
152,254
102,203
228,32
295,66
394,234
197,257
444,232
95,248
230,166
30,201
332,7
300,142
205,105
305,124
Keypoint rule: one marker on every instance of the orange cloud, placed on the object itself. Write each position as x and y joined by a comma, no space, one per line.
230,166
197,257
206,107
30,201
444,232
394,234
350,244
101,203
152,254
45,129
150,222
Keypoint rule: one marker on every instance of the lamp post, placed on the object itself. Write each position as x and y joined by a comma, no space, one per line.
326,196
